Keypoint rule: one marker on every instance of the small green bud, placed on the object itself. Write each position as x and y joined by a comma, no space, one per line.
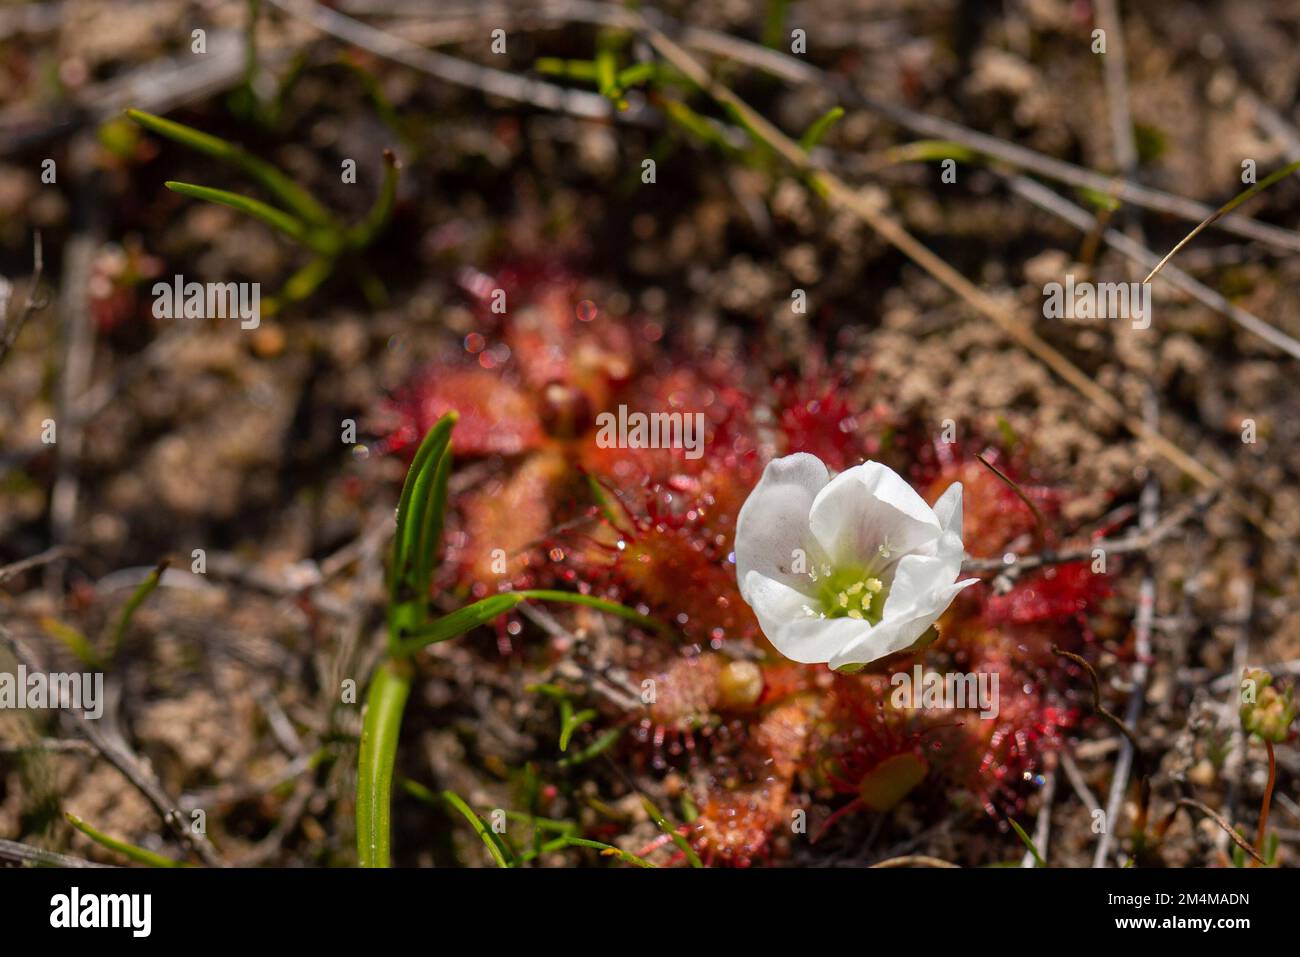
1265,711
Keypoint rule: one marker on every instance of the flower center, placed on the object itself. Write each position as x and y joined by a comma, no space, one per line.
851,593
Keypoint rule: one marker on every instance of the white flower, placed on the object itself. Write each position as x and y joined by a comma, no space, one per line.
848,569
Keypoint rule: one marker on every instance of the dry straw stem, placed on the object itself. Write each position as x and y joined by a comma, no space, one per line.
1141,541
870,209
9,331
1217,818
39,857
914,860
1223,210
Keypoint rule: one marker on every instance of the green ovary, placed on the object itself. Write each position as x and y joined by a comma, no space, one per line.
852,593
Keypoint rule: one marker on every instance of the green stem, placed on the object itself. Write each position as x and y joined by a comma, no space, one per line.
481,612
129,851
389,690
1262,837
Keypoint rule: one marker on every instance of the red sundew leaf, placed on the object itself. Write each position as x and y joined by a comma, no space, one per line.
508,520
698,396
821,420
993,514
738,818
687,692
1053,594
496,417
686,584
551,346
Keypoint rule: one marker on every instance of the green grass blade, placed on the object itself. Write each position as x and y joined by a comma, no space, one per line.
603,743
278,184
420,792
429,539
300,285
683,845
637,74
573,69
930,151
459,621
389,690
572,722
695,124
294,228
1024,839
72,639
129,851
410,504
820,127
496,847
1223,210
484,610
419,524
607,74
600,604
774,24
361,236
606,850
143,591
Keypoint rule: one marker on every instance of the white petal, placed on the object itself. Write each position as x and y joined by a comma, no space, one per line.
774,602
773,522
813,641
918,575
867,508
948,509
884,639
782,613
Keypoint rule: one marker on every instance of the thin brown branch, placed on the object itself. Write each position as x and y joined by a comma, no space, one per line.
34,303
1130,754
26,854
1097,706
36,561
1141,541
1039,521
1228,829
